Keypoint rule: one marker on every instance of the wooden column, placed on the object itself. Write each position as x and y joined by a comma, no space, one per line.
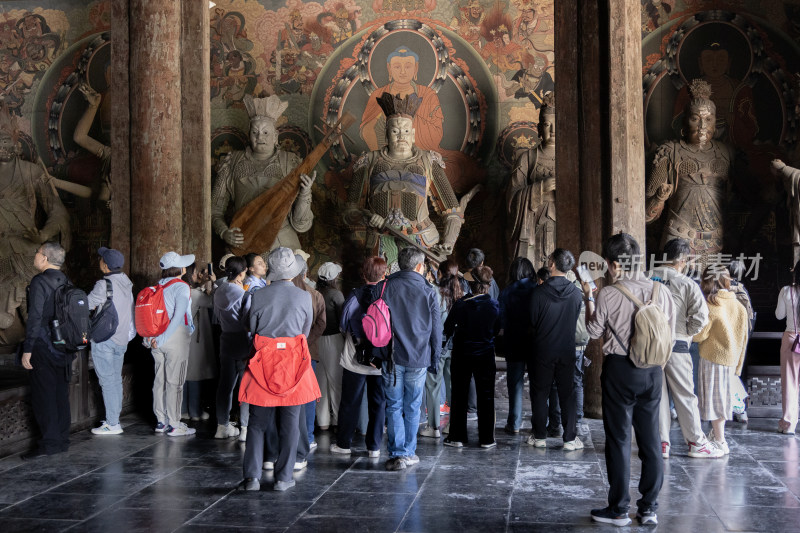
196,120
120,132
156,135
600,148
626,119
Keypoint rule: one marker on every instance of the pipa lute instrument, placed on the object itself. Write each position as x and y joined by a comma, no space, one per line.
261,219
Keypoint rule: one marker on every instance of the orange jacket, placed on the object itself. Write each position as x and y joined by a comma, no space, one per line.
279,374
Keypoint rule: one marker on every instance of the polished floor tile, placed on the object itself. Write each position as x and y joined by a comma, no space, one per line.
150,483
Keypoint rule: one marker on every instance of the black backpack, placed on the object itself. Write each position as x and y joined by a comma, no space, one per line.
72,312
104,320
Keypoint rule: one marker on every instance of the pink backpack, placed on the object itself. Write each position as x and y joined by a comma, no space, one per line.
377,322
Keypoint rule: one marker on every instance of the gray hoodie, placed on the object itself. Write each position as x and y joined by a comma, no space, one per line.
228,307
122,298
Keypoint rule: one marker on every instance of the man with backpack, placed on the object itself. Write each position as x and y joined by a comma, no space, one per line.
691,314
50,367
636,334
111,331
416,343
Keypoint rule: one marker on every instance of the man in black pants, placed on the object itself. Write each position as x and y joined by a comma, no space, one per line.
50,368
631,395
555,306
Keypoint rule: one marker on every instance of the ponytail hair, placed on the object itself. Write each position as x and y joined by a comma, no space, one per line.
234,266
449,283
482,280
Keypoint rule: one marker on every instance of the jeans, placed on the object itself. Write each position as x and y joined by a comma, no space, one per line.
191,398
516,384
230,372
433,390
108,358
311,410
403,387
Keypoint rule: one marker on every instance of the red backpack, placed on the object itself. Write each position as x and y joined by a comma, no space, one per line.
151,317
377,322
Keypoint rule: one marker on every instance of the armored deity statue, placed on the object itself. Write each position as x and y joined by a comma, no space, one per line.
24,189
790,176
394,184
531,193
690,177
243,175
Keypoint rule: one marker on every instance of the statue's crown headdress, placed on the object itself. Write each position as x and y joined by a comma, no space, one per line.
396,105
270,107
700,90
548,103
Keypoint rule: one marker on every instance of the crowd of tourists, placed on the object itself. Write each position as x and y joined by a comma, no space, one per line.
297,357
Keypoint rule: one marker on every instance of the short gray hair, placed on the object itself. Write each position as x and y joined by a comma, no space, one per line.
54,252
409,258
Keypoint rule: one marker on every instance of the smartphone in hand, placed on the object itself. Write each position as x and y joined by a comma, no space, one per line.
210,270
585,277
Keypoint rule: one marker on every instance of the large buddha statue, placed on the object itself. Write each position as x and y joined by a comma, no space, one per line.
394,184
531,193
243,175
24,190
690,179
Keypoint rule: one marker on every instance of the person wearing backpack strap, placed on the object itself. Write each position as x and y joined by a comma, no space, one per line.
49,367
170,349
630,395
416,345
691,314
109,354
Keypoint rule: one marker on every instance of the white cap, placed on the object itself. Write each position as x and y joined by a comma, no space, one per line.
173,259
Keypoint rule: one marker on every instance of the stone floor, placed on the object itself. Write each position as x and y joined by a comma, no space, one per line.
142,482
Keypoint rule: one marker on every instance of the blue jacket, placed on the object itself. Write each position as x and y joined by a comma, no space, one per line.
416,320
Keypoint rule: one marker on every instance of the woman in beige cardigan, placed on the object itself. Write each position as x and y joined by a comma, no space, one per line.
722,345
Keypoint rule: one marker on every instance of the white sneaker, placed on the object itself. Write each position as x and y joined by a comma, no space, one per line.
721,444
342,451
704,450
268,465
573,445
243,434
204,416
537,443
410,460
301,465
373,453
106,429
431,432
446,429
181,430
226,431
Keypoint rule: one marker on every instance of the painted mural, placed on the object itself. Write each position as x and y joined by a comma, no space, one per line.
480,67
54,58
749,52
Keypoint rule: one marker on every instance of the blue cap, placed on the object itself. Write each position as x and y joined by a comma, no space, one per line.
113,258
